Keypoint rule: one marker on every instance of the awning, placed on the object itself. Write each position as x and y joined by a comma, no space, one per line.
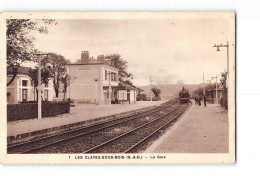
214,90
121,87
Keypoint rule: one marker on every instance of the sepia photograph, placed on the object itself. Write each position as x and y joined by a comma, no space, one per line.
117,87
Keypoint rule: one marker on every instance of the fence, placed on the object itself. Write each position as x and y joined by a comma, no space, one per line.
222,101
30,110
213,100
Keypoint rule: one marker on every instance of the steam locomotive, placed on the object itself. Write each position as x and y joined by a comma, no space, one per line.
184,96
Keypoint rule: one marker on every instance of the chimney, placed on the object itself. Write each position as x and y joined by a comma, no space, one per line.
101,58
84,57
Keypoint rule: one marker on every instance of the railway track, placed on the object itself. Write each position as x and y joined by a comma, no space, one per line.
61,143
130,141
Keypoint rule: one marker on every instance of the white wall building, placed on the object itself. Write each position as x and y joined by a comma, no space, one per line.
90,79
21,89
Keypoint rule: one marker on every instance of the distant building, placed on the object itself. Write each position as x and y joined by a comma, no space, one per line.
21,89
212,93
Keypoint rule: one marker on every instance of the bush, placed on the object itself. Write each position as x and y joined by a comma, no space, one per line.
141,97
55,108
224,102
156,91
30,110
156,98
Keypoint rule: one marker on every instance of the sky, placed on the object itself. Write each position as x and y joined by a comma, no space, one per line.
168,50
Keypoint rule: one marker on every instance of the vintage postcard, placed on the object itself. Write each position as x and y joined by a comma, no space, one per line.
117,87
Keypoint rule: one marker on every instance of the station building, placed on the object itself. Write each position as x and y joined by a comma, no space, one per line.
90,79
212,94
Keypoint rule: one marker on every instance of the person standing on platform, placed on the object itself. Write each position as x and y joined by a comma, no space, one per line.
205,100
199,101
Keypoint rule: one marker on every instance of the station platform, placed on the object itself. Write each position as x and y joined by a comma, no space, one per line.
81,115
200,130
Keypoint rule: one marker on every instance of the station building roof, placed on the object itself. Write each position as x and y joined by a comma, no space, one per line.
125,86
92,63
20,70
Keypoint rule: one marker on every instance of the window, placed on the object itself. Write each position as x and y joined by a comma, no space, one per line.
47,84
112,76
105,75
24,83
24,95
115,77
46,95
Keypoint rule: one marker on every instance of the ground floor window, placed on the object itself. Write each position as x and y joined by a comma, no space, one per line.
128,95
24,95
46,92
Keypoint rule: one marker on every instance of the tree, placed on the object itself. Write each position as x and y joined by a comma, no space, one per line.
45,77
115,60
56,64
66,82
223,80
156,91
128,82
141,97
20,45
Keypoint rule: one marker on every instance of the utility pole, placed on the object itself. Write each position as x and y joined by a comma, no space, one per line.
109,88
203,85
39,86
151,88
216,77
130,91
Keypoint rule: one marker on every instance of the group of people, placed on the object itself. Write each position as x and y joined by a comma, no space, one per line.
198,100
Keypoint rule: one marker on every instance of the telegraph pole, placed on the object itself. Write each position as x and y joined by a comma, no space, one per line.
109,89
151,88
216,77
39,89
203,85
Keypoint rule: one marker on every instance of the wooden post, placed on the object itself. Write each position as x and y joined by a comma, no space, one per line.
39,90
